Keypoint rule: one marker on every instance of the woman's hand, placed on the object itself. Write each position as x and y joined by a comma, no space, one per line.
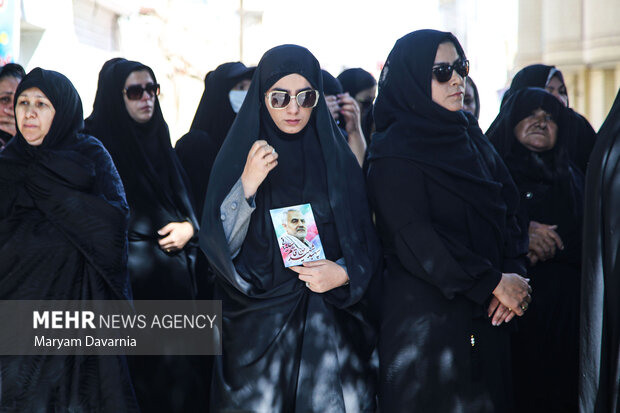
322,275
513,292
262,158
501,313
350,111
544,241
176,235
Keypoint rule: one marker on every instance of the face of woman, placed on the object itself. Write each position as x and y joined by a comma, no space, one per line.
537,132
469,100
557,88
34,113
366,96
448,94
140,110
8,86
293,118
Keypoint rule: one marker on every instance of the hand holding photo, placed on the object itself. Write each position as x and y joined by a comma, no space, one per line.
297,234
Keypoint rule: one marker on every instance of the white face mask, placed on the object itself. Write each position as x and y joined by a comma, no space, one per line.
236,98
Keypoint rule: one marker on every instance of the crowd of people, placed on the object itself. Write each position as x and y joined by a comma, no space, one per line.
457,271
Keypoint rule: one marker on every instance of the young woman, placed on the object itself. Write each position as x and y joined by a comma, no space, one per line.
295,339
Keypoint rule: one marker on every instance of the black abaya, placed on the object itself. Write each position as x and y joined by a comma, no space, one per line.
285,348
545,347
600,310
63,236
445,209
157,195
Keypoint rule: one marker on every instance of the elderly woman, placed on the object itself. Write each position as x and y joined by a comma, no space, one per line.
445,209
530,135
295,339
128,120
580,136
63,236
10,76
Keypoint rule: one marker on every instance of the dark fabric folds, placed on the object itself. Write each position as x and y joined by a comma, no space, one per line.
545,347
446,209
63,236
157,194
198,148
600,309
308,351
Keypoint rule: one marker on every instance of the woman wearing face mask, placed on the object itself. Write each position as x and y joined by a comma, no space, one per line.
581,137
128,120
295,339
225,90
10,76
63,236
445,209
530,136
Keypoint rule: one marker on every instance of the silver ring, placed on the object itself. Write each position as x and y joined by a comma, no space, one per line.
307,284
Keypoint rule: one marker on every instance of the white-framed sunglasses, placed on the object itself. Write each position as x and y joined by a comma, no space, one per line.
279,99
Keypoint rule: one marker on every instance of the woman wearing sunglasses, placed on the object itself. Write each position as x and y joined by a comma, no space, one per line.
63,220
128,120
295,339
445,210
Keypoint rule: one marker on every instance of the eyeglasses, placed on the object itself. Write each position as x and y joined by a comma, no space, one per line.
135,92
306,99
443,71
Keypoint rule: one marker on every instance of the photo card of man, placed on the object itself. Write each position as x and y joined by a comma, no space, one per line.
297,234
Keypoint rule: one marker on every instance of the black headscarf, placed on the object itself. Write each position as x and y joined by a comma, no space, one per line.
600,305
198,148
580,137
256,289
411,126
63,236
355,80
215,114
148,166
331,85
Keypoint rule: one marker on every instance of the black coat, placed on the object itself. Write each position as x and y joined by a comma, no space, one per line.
600,314
445,210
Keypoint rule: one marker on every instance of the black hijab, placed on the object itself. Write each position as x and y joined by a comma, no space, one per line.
413,127
600,305
355,80
580,136
331,85
149,168
215,114
341,204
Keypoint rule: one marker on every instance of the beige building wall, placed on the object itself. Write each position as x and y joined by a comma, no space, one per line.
581,38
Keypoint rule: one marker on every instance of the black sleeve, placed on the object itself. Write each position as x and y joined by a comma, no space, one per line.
399,196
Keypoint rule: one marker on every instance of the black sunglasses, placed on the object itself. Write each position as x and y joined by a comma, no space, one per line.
279,99
443,71
134,92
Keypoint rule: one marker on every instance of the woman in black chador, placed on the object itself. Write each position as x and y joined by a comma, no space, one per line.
600,296
580,136
128,120
530,136
445,208
63,236
297,339
225,89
